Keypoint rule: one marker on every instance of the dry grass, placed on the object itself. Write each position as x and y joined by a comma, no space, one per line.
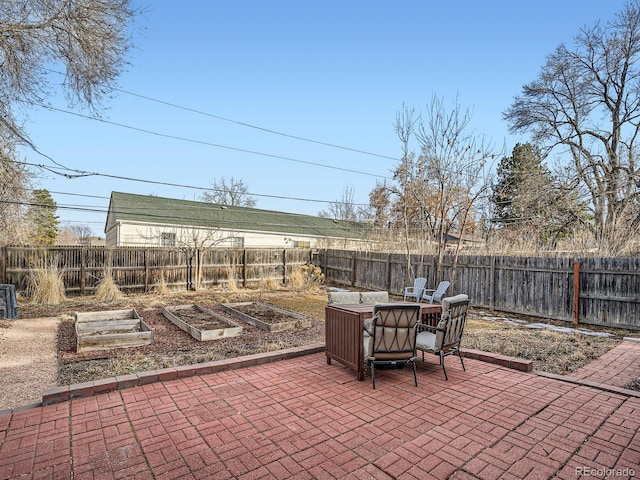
232,283
305,277
107,290
269,284
552,352
46,285
161,288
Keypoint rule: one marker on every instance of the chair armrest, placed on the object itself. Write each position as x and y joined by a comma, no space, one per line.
423,327
425,290
368,323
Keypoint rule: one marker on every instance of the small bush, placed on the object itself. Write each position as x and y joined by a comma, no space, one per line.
161,288
46,285
305,277
270,283
107,290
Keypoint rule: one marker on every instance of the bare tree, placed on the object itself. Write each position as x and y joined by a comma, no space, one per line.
14,195
233,193
87,38
343,209
194,242
453,163
586,103
435,192
405,173
82,233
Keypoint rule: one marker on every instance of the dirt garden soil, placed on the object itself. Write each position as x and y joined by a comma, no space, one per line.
173,347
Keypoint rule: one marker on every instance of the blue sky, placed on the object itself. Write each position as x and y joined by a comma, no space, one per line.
334,72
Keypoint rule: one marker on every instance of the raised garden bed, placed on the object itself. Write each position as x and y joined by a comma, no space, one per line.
266,316
200,323
111,329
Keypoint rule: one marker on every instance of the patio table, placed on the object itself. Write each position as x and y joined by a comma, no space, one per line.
344,331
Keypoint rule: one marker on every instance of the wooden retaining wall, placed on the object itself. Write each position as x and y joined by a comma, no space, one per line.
597,291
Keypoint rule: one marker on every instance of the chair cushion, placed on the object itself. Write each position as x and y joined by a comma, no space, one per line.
344,297
447,301
426,341
368,346
374,297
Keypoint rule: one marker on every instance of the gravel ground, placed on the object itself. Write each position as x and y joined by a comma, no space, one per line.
27,360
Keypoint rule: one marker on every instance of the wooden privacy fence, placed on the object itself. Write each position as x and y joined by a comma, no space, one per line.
139,269
596,291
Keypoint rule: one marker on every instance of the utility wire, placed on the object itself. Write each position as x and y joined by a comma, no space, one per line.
168,184
304,139
210,144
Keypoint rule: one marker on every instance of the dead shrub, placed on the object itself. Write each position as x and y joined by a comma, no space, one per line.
161,287
305,277
46,285
107,290
270,284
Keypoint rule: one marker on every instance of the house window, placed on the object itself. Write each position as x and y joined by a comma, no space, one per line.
236,242
301,244
167,239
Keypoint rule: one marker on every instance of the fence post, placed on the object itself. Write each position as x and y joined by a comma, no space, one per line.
146,270
388,272
83,260
3,265
492,283
353,268
576,293
244,268
284,266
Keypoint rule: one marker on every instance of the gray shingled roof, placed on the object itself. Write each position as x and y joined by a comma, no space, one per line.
152,209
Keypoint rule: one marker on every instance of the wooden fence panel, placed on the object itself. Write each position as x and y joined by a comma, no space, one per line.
294,258
473,277
610,291
263,265
535,286
338,266
371,270
220,265
140,269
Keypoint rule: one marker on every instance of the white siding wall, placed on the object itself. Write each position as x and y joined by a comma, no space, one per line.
139,234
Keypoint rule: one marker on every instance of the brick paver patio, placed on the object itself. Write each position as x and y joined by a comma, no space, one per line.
301,418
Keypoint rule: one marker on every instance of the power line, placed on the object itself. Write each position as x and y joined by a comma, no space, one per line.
244,124
168,184
202,142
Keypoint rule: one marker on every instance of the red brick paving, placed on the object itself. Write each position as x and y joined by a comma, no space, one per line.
617,367
301,418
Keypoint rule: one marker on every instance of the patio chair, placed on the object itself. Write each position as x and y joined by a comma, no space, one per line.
437,294
390,338
444,339
417,290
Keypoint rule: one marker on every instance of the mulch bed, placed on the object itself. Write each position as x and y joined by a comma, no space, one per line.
171,347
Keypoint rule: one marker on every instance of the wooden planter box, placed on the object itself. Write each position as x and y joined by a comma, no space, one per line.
202,332
296,320
111,329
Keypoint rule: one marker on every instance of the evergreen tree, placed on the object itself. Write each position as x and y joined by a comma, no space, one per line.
523,183
527,196
42,215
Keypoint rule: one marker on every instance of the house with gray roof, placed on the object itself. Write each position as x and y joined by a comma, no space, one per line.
146,220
